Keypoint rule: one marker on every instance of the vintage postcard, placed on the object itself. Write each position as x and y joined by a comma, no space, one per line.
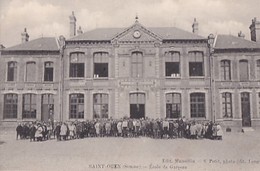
115,85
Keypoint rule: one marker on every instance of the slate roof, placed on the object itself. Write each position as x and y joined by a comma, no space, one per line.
166,33
233,42
40,44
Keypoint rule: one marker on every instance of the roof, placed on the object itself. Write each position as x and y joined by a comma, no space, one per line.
99,34
40,44
166,33
233,42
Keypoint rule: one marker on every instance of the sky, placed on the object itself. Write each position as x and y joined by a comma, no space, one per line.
51,17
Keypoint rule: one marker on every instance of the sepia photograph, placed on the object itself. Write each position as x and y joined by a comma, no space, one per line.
127,85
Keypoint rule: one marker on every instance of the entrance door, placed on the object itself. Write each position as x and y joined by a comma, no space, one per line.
137,111
137,105
245,109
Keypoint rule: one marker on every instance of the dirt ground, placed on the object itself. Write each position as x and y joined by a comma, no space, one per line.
237,151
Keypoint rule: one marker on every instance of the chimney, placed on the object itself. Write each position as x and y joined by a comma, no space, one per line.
72,25
79,31
1,47
62,40
255,30
195,26
240,34
25,36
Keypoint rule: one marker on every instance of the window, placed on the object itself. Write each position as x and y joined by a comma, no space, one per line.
225,70
243,70
47,107
197,105
100,108
196,64
227,105
30,71
12,71
258,69
101,64
172,64
48,71
76,106
29,106
137,64
10,106
77,64
173,105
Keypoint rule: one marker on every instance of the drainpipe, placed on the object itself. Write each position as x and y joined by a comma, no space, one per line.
211,39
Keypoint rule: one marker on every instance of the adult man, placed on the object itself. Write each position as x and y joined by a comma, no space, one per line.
32,132
19,130
119,128
165,125
57,131
108,128
125,127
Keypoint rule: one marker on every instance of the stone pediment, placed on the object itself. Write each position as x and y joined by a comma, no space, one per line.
136,34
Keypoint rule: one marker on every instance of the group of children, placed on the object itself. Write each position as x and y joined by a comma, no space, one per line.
127,127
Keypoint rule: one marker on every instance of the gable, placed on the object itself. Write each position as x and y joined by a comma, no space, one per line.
137,33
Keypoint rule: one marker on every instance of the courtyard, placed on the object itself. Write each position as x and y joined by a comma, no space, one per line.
237,151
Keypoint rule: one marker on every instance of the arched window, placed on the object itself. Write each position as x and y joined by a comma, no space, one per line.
137,64
10,106
101,60
243,70
77,64
48,71
172,64
227,105
30,72
29,106
76,107
100,105
173,105
12,71
225,70
197,105
196,66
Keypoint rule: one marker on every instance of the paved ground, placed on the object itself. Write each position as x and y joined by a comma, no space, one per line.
241,152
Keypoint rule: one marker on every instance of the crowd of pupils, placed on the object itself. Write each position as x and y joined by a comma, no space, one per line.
154,128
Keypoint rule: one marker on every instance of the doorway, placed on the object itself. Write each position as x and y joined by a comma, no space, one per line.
137,105
47,107
245,109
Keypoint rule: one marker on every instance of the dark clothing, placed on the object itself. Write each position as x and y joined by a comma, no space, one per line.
57,132
19,130
32,133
